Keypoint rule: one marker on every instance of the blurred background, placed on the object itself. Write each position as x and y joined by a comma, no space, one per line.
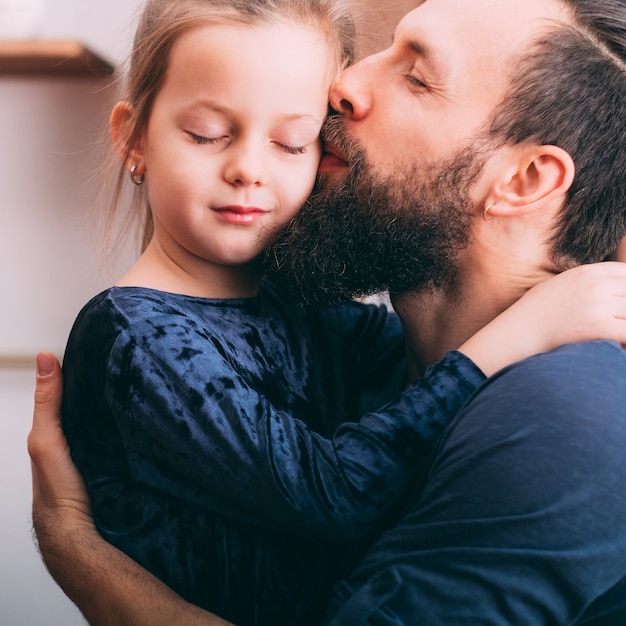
52,142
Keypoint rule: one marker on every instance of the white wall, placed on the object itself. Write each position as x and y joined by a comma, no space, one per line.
49,129
49,152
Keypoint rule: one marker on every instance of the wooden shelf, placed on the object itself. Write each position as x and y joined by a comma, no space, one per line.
50,58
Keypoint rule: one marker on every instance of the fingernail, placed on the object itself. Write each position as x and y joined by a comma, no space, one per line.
45,364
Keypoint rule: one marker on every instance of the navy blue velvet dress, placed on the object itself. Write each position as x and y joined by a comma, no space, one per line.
219,444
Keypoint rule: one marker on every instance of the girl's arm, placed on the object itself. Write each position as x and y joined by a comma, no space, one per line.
234,453
231,451
585,303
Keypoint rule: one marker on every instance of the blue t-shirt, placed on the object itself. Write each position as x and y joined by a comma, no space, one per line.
219,444
520,518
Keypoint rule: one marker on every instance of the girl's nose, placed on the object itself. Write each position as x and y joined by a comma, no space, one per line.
246,166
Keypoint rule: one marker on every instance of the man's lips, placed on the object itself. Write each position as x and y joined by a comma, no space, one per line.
332,159
240,214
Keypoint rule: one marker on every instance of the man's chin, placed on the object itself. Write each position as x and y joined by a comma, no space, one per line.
309,293
359,234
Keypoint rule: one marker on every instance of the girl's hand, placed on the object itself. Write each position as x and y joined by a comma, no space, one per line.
585,303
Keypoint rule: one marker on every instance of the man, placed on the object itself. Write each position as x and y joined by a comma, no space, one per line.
498,128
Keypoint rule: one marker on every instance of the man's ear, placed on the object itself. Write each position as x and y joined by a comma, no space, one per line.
121,124
536,176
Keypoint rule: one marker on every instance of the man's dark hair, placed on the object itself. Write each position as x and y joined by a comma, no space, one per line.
569,90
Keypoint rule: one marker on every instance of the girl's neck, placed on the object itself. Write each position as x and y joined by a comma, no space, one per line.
155,269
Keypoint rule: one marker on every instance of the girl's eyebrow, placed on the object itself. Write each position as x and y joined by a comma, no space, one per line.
207,104
302,116
222,109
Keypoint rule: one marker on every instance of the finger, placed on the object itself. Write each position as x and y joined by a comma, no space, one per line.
615,269
49,386
46,442
47,410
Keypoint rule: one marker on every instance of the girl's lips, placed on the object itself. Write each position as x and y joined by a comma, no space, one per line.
240,214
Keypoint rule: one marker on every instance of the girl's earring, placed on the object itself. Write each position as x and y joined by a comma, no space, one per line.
137,180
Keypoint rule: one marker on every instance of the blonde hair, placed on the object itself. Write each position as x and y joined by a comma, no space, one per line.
163,22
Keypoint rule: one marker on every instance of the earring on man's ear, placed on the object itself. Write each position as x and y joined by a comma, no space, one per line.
137,180
486,216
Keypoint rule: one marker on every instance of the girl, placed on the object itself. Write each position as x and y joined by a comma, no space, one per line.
214,423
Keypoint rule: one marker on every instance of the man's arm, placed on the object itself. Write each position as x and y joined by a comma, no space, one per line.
78,559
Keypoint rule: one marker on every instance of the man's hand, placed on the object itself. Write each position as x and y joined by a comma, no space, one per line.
59,493
106,585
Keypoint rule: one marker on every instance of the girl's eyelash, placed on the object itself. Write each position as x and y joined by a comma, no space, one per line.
204,140
292,149
199,139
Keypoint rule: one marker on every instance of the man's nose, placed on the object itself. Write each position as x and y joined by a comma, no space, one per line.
351,95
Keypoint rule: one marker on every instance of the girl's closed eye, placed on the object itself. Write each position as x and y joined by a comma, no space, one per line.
297,138
199,139
291,149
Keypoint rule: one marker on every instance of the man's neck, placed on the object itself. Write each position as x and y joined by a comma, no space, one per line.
438,321
434,323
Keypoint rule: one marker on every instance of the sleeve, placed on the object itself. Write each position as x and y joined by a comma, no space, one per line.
196,430
371,346
522,517
371,338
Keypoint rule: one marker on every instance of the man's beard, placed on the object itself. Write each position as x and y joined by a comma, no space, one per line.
366,234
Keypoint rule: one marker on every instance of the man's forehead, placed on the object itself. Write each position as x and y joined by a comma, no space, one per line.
486,26
466,51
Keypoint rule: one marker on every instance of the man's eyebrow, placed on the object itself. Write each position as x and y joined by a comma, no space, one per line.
413,45
423,50
431,59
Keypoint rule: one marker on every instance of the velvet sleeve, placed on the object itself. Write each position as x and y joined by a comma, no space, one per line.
193,428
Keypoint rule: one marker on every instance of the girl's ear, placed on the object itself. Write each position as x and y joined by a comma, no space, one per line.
121,124
536,177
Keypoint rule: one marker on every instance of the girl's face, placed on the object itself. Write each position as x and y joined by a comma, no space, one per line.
232,147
